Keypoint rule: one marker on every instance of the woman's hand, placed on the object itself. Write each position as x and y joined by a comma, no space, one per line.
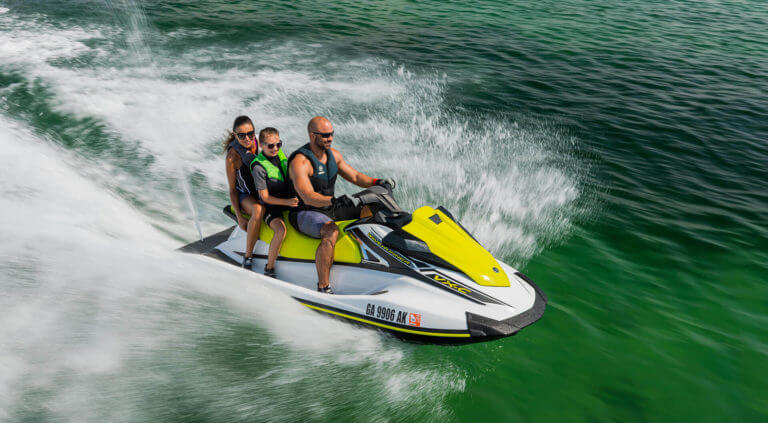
293,202
242,222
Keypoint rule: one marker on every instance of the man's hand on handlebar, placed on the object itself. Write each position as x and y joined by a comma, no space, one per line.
388,183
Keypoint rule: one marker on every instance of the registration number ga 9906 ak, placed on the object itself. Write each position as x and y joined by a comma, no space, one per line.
393,315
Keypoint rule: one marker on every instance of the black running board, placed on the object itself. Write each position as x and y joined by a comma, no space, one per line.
208,243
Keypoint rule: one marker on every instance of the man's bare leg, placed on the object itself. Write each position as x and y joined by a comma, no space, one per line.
329,233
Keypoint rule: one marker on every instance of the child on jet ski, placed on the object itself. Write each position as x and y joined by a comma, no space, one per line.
270,176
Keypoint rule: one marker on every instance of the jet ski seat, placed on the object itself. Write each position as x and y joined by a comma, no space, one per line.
298,246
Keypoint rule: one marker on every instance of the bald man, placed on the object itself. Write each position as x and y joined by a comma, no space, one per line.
313,169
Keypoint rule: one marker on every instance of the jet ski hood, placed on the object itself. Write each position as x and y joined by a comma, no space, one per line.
449,241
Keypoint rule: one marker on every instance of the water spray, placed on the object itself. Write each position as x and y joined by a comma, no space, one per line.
137,23
188,195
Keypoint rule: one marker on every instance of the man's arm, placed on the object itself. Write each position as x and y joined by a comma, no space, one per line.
299,172
351,174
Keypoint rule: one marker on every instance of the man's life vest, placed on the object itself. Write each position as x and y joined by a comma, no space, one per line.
323,177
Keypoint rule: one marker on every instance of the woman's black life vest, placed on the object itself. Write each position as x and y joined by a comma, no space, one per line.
243,178
323,177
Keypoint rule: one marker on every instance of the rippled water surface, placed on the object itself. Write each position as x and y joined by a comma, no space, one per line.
615,151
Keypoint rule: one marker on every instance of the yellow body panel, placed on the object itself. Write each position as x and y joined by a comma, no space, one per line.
450,242
299,246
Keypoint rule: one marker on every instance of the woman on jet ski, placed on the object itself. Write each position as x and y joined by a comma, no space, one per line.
270,176
241,150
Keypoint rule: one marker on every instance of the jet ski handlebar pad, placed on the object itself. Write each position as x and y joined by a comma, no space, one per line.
378,197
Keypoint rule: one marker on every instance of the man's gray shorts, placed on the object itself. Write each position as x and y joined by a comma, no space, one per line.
310,222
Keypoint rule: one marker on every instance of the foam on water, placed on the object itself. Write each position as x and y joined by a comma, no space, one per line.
21,44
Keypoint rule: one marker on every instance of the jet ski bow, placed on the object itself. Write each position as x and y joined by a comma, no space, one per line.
418,275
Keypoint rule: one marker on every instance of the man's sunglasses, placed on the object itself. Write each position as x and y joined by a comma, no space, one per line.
277,144
242,135
324,134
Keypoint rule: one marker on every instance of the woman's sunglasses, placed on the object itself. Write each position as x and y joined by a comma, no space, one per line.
277,144
242,135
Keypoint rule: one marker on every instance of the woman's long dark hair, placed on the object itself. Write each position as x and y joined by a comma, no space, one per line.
231,137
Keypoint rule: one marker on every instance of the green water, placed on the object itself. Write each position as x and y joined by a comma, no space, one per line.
614,151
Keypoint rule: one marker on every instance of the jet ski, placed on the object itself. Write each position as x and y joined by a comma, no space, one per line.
418,275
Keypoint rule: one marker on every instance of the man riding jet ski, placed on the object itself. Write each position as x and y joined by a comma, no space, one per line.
313,169
418,275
